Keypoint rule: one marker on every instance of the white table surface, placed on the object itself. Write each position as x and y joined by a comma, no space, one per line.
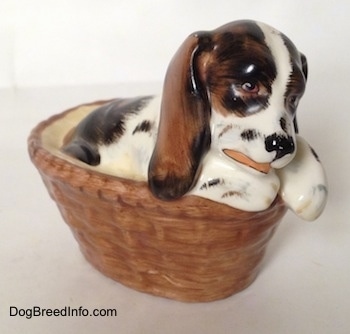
304,285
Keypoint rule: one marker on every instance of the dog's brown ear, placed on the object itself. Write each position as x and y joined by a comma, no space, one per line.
184,130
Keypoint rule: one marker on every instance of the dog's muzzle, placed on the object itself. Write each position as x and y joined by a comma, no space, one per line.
280,144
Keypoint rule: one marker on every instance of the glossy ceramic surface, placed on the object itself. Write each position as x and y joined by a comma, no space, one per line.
224,128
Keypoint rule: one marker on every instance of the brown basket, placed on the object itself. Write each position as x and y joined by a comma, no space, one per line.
191,249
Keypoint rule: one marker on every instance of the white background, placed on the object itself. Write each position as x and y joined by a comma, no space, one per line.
57,54
69,42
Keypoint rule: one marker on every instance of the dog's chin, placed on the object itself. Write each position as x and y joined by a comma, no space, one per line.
282,162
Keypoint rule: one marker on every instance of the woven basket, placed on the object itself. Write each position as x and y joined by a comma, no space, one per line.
191,249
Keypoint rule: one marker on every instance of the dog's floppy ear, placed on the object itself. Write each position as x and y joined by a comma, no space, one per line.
184,130
304,68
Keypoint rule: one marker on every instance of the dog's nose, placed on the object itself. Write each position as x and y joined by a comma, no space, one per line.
280,144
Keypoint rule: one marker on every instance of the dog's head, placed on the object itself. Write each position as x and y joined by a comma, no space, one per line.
235,89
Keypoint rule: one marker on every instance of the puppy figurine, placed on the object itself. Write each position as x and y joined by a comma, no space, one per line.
225,127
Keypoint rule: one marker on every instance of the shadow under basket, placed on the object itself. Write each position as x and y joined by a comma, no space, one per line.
191,249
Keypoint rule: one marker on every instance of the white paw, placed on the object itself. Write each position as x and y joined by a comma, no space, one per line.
303,183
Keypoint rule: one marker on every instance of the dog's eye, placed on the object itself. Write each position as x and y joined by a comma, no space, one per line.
250,87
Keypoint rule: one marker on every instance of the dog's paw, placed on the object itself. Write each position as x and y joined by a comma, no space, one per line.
303,183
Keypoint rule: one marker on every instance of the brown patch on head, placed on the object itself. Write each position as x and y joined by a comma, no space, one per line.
241,69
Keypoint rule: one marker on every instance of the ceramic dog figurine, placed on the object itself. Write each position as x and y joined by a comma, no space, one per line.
224,128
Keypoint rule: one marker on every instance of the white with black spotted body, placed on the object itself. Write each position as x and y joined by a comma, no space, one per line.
224,129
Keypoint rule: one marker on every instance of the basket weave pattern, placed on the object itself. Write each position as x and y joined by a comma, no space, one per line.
191,249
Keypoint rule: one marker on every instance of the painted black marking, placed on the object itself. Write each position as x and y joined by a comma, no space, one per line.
226,128
297,79
232,193
321,188
283,124
145,126
213,182
295,123
314,154
249,134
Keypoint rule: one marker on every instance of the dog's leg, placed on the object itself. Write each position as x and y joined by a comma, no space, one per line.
83,151
303,182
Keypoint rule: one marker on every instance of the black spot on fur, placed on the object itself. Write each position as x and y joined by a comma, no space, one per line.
145,126
249,135
314,154
283,124
232,193
213,182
